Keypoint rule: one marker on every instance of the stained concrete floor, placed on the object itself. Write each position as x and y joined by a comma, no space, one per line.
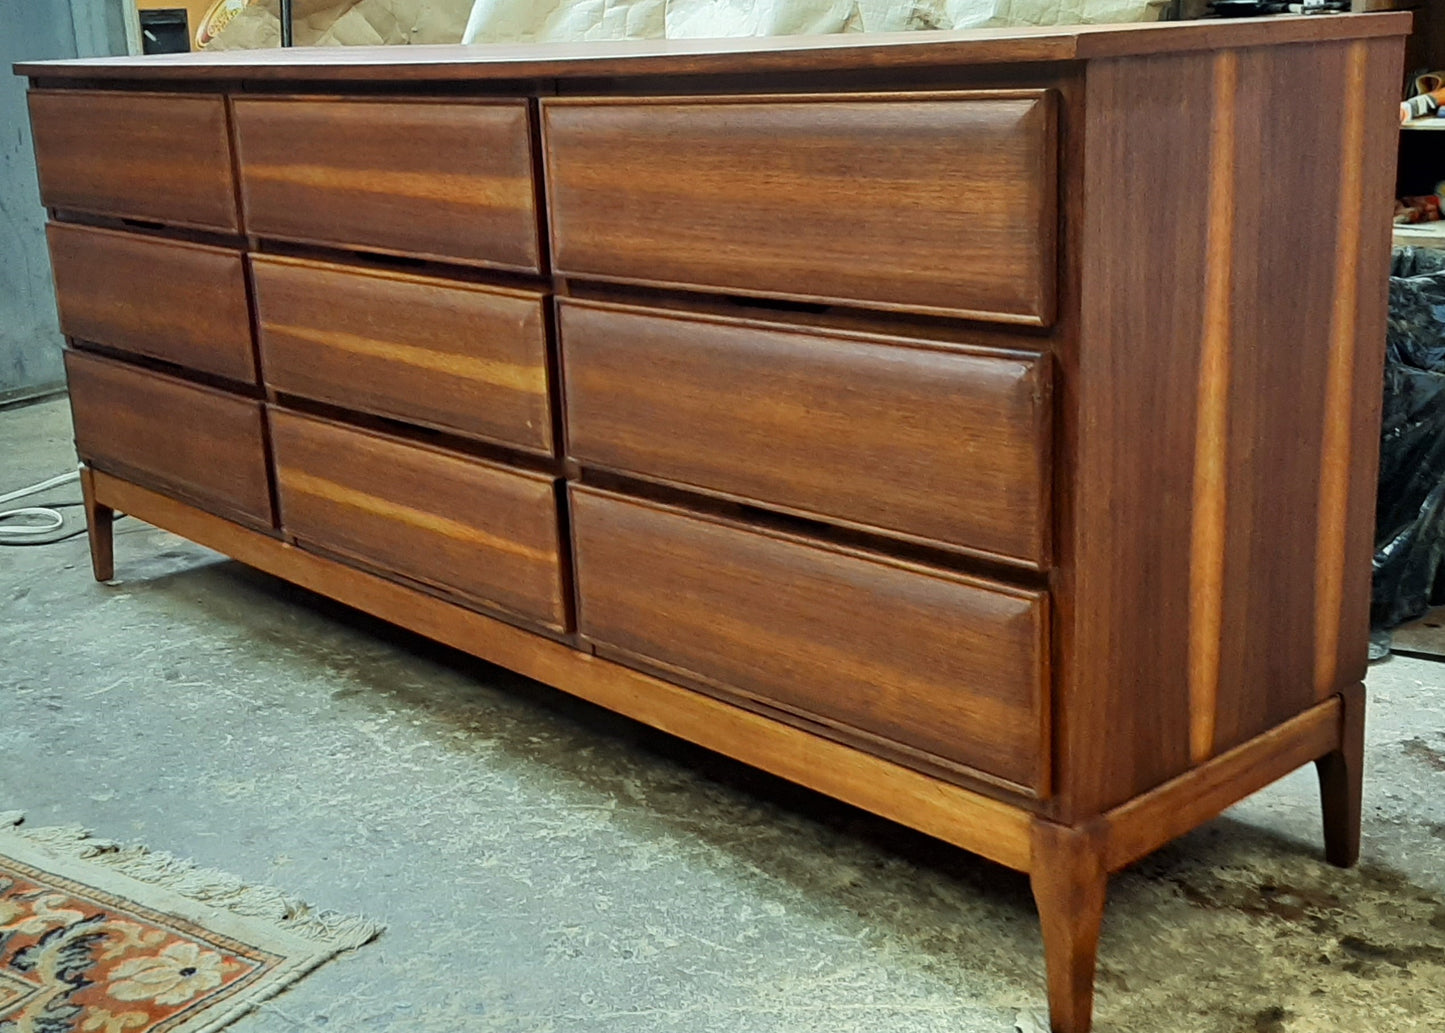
545,867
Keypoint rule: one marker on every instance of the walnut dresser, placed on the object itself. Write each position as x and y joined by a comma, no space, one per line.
979,428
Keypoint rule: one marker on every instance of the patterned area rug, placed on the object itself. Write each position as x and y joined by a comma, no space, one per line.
96,937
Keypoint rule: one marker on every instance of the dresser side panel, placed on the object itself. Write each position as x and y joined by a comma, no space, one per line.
1233,269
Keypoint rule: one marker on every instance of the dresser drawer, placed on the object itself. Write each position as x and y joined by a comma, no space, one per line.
934,665
926,441
184,303
940,203
482,531
447,180
197,443
153,156
462,358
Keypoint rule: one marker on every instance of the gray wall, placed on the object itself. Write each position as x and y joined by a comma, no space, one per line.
32,29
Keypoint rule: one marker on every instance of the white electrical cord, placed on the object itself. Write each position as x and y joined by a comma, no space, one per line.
55,517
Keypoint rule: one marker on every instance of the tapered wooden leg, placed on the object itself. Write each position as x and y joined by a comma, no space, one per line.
1341,777
98,520
1070,884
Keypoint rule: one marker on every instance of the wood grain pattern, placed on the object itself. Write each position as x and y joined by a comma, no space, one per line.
955,815
477,529
951,667
447,180
885,51
927,440
1148,821
449,355
1070,887
184,303
99,519
1341,774
927,203
154,156
1171,438
198,443
1211,431
1149,549
1343,336
1373,68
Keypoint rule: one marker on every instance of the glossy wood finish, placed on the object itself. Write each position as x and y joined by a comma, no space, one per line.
895,52
197,443
180,302
165,157
1205,519
1068,866
950,667
99,519
1341,774
454,356
1070,887
926,203
436,179
1148,821
1180,424
929,440
984,826
472,528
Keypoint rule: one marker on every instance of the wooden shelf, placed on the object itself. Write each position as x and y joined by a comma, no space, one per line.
1420,234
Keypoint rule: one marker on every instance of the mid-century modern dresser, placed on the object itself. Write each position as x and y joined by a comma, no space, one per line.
977,427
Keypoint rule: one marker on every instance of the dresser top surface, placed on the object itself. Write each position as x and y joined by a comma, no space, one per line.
841,52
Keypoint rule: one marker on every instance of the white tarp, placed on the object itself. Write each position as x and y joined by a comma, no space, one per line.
351,22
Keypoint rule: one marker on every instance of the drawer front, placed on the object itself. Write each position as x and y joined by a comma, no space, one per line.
442,180
485,532
199,444
931,203
927,442
160,157
184,303
466,359
949,668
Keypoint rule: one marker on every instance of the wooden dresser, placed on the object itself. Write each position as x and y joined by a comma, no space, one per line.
979,428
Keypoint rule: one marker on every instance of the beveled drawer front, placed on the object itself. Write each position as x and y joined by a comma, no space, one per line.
160,157
200,444
930,442
948,667
930,203
185,303
454,356
477,529
446,180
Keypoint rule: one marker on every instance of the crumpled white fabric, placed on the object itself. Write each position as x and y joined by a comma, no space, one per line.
351,22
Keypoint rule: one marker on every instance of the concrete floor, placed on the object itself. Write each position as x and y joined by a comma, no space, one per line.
546,867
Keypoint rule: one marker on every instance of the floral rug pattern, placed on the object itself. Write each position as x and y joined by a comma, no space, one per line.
75,959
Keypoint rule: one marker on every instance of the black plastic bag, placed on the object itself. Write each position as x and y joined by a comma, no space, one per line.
1410,508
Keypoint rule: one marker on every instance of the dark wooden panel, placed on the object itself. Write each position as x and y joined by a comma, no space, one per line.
448,180
930,203
185,303
1126,707
193,442
1227,368
163,157
926,440
1352,412
444,354
950,667
751,56
481,530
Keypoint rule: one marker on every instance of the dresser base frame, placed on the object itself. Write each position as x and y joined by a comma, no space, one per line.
1068,866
